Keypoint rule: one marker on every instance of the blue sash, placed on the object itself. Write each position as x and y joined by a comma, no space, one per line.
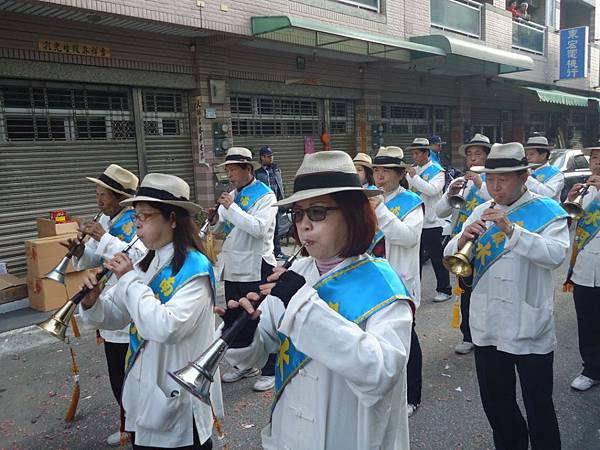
356,291
401,205
544,173
124,225
533,215
588,226
246,198
164,286
429,173
472,201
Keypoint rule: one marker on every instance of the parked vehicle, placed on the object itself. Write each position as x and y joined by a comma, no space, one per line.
573,164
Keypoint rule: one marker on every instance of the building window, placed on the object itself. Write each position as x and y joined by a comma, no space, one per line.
37,112
341,117
371,5
414,120
165,113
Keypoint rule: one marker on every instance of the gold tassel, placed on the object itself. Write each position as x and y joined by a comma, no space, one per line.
99,339
457,291
218,429
76,390
75,327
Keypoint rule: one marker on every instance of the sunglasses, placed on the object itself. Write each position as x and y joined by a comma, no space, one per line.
314,213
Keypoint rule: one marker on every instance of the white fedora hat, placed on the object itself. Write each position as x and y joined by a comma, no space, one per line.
505,158
239,155
118,180
390,156
539,143
324,173
362,159
419,144
587,151
479,140
164,188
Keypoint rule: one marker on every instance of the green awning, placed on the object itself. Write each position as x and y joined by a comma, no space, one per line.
312,33
466,56
561,98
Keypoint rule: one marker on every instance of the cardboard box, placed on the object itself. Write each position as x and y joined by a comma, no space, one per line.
46,295
44,254
12,288
47,227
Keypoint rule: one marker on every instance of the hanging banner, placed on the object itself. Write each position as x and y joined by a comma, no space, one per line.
574,53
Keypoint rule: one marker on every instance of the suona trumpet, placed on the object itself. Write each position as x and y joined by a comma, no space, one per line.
457,201
58,273
57,324
575,208
460,263
197,376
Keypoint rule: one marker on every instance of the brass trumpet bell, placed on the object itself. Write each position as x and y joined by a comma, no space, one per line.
197,376
460,263
57,324
58,273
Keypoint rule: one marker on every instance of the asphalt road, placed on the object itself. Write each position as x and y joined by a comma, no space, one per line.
35,389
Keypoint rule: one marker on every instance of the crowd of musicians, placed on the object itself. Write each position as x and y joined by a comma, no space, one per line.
341,323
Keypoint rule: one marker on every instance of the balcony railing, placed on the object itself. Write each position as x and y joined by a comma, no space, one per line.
460,16
528,36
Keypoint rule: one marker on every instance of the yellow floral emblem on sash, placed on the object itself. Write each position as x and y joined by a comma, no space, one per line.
128,228
580,237
284,358
498,238
483,251
471,204
462,218
334,306
244,200
166,286
395,210
540,177
425,177
592,218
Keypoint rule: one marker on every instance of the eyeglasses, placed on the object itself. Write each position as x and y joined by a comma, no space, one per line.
314,213
143,217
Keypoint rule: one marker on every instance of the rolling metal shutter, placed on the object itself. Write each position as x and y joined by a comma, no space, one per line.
51,137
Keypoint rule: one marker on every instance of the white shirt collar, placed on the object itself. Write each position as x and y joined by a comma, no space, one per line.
164,254
392,194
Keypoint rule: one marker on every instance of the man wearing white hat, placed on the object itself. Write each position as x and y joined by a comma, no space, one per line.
109,235
474,192
400,222
247,217
545,179
584,274
427,179
521,237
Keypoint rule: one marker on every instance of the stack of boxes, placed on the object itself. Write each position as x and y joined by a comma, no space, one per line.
43,254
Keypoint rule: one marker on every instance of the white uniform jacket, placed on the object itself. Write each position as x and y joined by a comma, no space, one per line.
443,208
587,266
430,192
158,409
352,394
552,188
250,241
402,240
96,253
512,304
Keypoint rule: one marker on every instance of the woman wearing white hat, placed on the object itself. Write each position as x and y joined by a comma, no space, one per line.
475,193
110,234
400,222
364,169
584,275
167,298
546,179
339,320
521,239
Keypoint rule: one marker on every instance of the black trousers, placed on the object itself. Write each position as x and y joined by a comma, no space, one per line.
587,308
497,387
195,446
235,290
431,244
115,361
414,369
465,303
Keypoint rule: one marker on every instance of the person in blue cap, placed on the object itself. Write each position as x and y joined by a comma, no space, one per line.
270,174
435,147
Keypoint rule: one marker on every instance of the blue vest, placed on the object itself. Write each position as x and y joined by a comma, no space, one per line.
356,291
124,226
164,286
428,174
401,205
544,173
246,198
534,216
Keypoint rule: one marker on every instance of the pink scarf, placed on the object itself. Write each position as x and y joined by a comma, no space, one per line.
325,265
